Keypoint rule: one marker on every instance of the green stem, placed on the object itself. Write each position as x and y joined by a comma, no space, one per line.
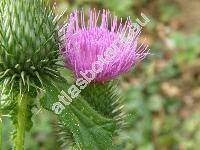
1,126
22,117
1,123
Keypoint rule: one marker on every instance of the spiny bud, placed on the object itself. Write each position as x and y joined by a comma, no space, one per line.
28,43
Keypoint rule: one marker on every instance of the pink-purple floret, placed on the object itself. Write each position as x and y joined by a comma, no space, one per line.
84,41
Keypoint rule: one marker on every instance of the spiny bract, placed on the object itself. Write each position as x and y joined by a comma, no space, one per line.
28,43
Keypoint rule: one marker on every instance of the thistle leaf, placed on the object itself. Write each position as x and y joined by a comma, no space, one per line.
104,98
90,129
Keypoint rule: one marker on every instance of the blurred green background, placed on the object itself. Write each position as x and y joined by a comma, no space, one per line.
162,94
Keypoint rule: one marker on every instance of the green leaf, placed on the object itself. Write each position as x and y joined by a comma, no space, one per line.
90,130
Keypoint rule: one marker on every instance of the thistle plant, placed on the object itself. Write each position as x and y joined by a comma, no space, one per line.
87,41
30,70
28,55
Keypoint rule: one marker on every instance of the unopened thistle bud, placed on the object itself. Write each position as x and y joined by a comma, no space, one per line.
28,55
28,43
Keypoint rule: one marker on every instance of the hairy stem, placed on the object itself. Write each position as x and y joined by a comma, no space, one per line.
21,122
1,126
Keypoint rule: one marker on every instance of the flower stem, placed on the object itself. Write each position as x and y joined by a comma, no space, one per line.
1,126
22,117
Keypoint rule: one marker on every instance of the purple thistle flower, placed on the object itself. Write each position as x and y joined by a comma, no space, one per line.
85,44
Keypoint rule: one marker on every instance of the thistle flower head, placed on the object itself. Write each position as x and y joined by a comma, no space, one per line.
28,43
88,42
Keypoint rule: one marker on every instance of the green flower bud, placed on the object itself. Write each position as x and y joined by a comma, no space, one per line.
28,43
